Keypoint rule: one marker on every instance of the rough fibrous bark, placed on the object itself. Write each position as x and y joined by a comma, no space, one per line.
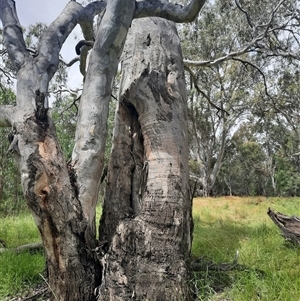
68,240
147,211
150,214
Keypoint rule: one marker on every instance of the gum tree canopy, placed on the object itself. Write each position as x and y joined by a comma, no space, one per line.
145,231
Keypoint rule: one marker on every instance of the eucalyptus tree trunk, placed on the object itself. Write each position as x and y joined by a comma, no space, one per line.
48,183
148,177
146,220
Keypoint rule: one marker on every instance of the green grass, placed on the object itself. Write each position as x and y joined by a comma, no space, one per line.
226,225
19,271
18,230
222,227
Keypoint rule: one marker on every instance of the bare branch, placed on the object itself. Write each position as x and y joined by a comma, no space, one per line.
7,74
71,63
6,115
90,11
170,11
63,89
202,92
245,62
246,13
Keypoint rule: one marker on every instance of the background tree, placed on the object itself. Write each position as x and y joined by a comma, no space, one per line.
237,52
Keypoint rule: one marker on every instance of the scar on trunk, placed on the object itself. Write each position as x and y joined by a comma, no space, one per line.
41,103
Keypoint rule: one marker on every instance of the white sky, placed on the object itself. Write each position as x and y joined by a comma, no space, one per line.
46,11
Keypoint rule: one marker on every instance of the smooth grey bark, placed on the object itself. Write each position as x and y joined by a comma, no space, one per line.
170,11
88,154
146,220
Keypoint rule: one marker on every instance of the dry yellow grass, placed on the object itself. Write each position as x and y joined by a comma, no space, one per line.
253,209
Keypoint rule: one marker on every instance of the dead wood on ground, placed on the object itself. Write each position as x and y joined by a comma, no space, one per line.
289,225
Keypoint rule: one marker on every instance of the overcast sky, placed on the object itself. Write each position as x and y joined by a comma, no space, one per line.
46,11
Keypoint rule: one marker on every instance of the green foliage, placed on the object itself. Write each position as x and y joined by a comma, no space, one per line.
254,89
287,176
64,114
11,197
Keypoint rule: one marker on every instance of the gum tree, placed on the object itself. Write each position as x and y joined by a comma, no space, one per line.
145,231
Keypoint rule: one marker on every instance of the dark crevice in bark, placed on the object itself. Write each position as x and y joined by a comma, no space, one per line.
73,178
119,173
41,108
139,168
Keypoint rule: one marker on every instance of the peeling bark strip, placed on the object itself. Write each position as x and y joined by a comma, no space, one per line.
72,265
146,216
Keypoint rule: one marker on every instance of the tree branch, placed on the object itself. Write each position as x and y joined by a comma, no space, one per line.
245,62
6,112
170,11
201,91
8,75
58,31
12,33
246,13
88,152
261,32
71,63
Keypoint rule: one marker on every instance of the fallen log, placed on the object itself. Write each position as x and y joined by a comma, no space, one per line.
289,225
32,248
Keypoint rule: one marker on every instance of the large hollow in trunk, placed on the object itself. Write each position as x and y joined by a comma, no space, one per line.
146,219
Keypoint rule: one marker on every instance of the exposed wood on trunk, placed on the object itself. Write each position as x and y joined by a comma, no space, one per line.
152,215
147,210
289,225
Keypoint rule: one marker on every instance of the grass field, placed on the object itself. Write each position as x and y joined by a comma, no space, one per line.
222,226
226,225
19,271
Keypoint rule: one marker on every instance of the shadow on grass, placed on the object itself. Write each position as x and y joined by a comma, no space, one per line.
219,242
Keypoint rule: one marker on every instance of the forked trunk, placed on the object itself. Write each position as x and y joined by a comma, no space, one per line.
146,222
